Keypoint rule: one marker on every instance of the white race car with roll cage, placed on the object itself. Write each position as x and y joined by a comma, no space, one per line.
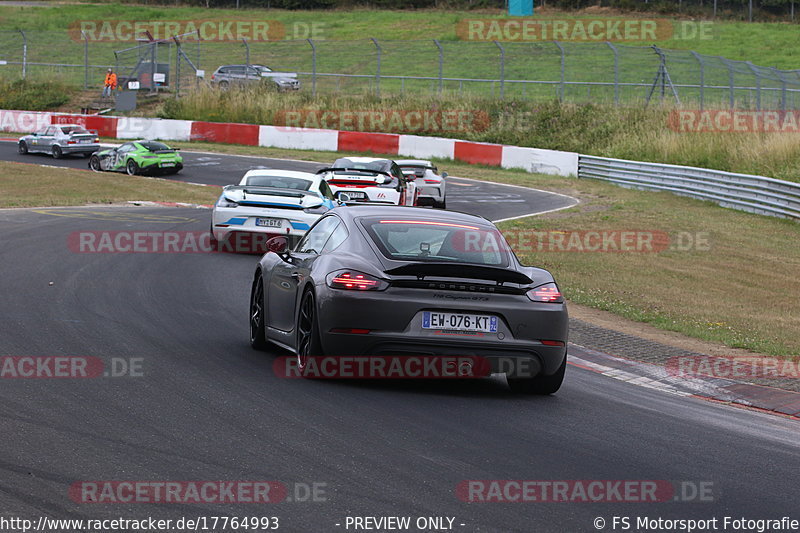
430,183
270,202
370,180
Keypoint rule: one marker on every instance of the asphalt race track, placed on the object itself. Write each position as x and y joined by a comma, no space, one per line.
201,405
493,201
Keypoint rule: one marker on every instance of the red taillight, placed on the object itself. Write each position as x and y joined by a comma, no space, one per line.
545,293
553,343
97,140
352,280
72,142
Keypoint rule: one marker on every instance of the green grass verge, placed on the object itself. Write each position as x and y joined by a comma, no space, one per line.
408,49
740,291
636,133
30,185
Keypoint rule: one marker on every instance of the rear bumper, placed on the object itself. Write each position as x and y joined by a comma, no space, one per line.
393,318
156,170
80,148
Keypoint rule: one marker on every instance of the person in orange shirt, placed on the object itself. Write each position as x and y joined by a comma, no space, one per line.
109,84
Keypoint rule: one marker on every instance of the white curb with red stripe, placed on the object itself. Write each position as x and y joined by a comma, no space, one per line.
414,146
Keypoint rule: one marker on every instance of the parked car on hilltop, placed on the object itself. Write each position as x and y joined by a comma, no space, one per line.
228,75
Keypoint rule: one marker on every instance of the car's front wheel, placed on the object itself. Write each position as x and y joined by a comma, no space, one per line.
308,341
23,147
131,167
57,153
540,384
94,163
258,339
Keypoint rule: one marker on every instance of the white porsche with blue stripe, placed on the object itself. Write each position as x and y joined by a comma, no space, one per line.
272,202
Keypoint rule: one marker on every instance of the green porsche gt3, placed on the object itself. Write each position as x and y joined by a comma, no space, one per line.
138,157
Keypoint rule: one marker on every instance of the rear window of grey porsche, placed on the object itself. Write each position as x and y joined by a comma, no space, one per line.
436,241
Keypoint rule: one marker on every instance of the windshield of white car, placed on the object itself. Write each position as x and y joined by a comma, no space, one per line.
280,182
426,240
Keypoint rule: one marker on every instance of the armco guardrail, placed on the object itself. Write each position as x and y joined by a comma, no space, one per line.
755,194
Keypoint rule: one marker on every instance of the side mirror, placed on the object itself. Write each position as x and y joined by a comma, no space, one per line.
344,197
410,176
277,244
444,174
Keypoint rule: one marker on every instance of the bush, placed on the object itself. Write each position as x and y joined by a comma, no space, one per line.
33,96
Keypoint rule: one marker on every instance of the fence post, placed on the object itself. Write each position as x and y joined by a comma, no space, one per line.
246,59
153,59
561,89
313,68
502,69
85,60
24,54
616,72
699,59
177,67
783,88
758,84
441,62
378,71
731,83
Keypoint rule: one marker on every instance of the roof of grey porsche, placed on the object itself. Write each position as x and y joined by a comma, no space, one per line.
404,212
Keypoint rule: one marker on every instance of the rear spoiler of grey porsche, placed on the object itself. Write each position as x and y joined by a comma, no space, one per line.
460,270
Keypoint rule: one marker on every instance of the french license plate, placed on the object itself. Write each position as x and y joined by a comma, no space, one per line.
459,322
269,222
167,164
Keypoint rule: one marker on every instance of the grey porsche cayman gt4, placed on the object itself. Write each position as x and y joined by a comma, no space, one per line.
394,281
